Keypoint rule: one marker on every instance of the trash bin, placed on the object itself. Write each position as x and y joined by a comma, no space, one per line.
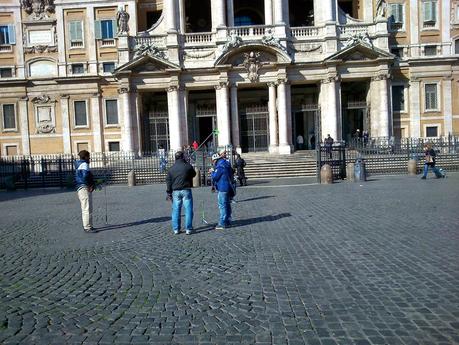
359,170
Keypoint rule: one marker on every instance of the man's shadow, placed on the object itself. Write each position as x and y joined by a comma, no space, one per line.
247,221
127,225
256,198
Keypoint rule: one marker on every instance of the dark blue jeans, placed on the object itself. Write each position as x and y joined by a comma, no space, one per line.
182,197
434,169
224,204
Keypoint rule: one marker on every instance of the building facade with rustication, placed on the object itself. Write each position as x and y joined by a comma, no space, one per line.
257,74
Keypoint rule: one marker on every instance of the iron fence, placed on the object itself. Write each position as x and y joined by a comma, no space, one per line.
110,168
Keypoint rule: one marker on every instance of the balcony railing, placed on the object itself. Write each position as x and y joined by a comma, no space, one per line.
250,31
306,31
351,30
158,41
198,38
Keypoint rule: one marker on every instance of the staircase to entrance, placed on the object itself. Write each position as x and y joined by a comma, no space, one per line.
269,166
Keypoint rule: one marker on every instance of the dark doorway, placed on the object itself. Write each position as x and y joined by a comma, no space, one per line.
355,113
348,7
155,121
249,12
301,13
198,16
206,125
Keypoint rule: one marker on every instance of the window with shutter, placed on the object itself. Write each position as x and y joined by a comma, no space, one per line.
76,34
111,111
4,34
396,18
9,118
81,118
106,29
430,13
431,97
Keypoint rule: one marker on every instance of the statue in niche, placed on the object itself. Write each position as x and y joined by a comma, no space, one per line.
252,65
122,19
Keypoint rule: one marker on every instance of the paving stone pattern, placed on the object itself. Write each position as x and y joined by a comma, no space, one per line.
376,263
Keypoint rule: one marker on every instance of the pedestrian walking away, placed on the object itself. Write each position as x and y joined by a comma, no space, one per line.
329,145
222,177
179,181
85,186
430,161
239,165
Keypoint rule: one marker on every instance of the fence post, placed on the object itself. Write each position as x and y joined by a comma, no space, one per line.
60,171
43,181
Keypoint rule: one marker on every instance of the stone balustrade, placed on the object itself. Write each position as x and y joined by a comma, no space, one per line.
306,31
198,38
354,29
254,31
158,41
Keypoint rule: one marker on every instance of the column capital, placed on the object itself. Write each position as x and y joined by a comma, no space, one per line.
172,88
283,81
221,85
330,79
271,84
95,95
124,89
24,98
65,96
382,76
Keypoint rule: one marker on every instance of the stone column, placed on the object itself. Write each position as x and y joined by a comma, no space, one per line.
230,12
414,27
380,114
235,119
284,114
223,114
62,68
183,93
446,26
330,108
218,14
269,12
65,117
126,133
415,109
96,123
171,15
182,16
19,49
279,12
24,123
91,42
173,107
273,135
447,106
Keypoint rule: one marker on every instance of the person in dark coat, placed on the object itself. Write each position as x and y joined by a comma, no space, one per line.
429,162
179,181
239,165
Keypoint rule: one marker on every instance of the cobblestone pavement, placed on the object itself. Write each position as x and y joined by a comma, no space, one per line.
376,263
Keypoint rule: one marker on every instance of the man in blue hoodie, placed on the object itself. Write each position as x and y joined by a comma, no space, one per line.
85,187
222,178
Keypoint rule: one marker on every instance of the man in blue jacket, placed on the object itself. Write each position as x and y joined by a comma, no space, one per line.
222,178
85,187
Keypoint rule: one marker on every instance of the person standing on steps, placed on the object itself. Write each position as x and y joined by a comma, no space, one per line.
85,186
328,145
239,165
179,181
222,179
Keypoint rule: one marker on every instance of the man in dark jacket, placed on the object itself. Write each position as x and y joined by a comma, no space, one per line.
222,178
179,181
85,187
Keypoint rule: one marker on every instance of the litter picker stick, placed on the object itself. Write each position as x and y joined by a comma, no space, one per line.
203,215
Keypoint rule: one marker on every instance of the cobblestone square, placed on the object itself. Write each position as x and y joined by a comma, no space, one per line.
370,263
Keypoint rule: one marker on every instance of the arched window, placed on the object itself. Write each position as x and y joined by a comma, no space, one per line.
42,68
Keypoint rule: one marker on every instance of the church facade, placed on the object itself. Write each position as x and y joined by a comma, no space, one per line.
133,75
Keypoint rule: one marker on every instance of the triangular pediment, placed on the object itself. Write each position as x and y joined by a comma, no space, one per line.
147,63
360,52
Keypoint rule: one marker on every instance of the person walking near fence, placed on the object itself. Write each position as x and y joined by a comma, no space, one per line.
329,145
222,177
179,181
85,186
429,161
239,165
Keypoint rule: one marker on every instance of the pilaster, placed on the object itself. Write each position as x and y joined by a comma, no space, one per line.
126,132
92,62
415,110
269,18
330,105
380,113
96,123
284,114
173,105
447,106
273,123
223,114
414,28
65,117
24,121
62,63
446,26
235,135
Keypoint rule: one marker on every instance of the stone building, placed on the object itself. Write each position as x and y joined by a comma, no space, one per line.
130,75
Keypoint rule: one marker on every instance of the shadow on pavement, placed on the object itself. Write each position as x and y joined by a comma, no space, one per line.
127,225
256,198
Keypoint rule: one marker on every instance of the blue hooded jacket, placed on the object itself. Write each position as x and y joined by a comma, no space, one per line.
83,175
222,177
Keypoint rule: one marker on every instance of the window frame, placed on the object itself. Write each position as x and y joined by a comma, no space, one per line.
439,129
423,21
75,64
113,141
7,68
2,110
402,28
11,31
75,114
430,46
6,145
111,125
405,97
438,98
74,41
76,142
105,63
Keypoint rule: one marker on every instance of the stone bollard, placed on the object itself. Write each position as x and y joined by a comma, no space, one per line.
412,167
131,178
197,178
350,175
326,174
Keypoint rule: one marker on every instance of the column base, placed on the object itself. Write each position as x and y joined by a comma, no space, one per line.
273,149
285,149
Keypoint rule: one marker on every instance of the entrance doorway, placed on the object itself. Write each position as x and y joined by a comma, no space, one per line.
155,122
202,112
355,114
305,111
254,128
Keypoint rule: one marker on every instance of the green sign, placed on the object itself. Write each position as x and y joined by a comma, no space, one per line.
216,132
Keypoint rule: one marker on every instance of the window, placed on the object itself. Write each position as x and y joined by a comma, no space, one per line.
9,117
81,119
77,68
397,52
429,9
6,72
114,146
430,50
11,150
396,16
398,97
7,34
76,34
456,46
431,96
111,111
82,146
432,131
105,29
108,67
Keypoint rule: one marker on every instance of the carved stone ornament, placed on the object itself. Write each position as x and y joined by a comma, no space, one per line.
46,128
252,65
122,19
308,48
123,89
269,40
43,99
148,49
330,79
198,54
233,41
383,76
38,9
39,49
359,38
